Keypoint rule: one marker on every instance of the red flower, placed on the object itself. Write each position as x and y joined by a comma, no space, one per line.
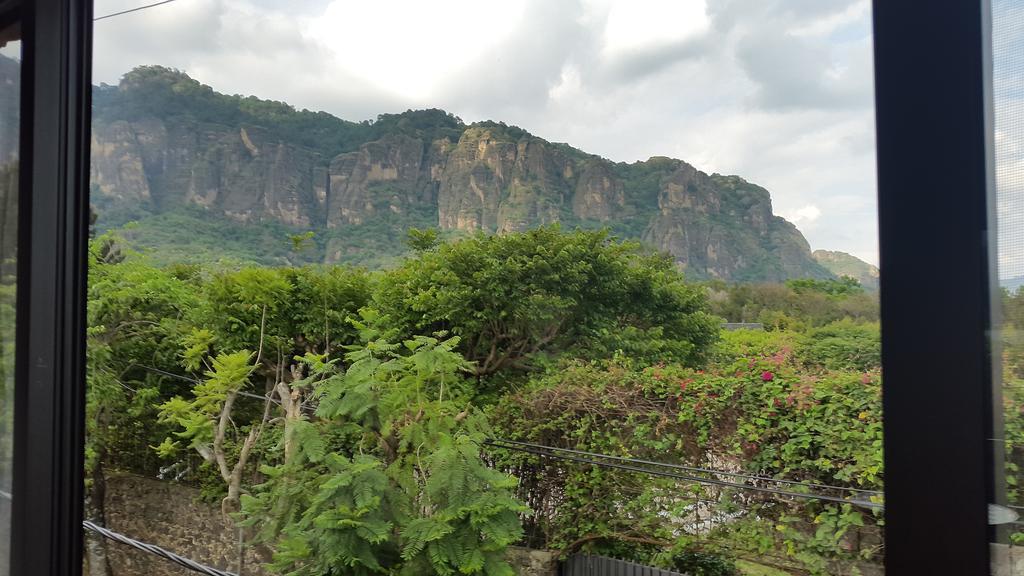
767,376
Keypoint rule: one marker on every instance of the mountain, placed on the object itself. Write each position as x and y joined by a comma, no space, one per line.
206,174
843,264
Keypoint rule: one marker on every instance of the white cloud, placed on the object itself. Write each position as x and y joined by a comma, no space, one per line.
808,213
411,48
777,91
642,24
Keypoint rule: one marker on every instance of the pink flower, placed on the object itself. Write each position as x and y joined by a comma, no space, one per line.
865,379
767,376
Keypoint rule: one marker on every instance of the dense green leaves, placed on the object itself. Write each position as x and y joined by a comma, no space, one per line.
343,413
414,497
517,297
767,405
796,305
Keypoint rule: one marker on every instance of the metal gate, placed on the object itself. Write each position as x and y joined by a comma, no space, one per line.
587,565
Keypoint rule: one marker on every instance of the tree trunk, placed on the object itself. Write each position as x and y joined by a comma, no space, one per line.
95,510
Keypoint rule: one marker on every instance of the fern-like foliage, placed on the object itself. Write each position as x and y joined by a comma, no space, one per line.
388,478
346,527
467,515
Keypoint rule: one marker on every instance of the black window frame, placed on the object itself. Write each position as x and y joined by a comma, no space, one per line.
936,203
52,242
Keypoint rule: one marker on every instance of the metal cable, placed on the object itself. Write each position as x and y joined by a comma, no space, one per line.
307,409
711,481
156,550
104,17
691,468
150,548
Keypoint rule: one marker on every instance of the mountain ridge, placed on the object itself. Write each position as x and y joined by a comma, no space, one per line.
847,265
165,144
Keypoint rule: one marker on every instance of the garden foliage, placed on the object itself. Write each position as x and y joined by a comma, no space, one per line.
342,416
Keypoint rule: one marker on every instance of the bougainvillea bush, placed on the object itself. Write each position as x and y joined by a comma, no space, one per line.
762,407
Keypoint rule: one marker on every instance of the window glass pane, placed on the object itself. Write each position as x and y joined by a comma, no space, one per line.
1008,94
408,284
10,98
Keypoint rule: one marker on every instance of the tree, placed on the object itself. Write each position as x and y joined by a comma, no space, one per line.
256,323
389,477
135,318
514,297
421,240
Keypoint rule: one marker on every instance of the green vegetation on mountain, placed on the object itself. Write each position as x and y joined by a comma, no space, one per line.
845,265
167,149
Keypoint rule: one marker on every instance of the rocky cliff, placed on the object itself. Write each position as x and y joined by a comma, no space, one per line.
162,142
843,264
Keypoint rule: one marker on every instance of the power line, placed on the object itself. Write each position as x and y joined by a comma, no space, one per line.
156,551
268,396
150,548
694,469
168,374
131,10
711,481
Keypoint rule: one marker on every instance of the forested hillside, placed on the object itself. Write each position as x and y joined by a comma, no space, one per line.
207,176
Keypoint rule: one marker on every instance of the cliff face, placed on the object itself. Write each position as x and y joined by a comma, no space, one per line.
843,264
161,141
238,172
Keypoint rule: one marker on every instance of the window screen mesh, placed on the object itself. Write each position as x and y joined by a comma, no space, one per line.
1008,103
1008,91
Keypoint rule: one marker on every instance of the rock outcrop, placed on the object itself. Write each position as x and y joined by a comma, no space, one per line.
843,264
217,152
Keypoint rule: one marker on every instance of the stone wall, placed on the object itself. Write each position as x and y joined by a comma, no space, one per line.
1007,560
533,562
173,517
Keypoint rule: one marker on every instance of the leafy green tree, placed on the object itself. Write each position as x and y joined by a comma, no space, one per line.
420,240
842,286
515,297
795,305
205,419
135,317
249,335
389,478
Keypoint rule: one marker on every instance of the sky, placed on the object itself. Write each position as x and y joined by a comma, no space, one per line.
1008,98
777,91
